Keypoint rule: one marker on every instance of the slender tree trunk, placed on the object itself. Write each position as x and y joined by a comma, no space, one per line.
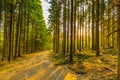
83,29
108,40
78,28
17,35
97,28
74,48
22,28
89,33
5,32
113,27
58,27
68,28
71,42
25,25
32,38
11,29
86,30
118,10
64,27
93,45
54,37
80,33
1,6
27,34
102,24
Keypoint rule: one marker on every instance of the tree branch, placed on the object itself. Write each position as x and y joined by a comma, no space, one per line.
113,32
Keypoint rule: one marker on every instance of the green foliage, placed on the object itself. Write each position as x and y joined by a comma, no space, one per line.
41,33
1,38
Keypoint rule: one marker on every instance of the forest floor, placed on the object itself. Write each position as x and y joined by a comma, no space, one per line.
87,66
36,66
48,66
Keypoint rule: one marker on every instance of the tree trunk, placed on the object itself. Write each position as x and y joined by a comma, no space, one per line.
68,28
64,28
22,28
97,28
108,40
27,34
17,35
5,32
74,48
1,12
93,45
118,10
71,42
11,36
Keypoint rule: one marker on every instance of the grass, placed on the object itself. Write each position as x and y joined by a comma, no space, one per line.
87,66
1,49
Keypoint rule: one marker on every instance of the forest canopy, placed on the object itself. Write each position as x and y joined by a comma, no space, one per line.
23,28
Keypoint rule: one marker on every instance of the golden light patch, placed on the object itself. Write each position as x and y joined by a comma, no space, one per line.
40,73
70,76
87,65
99,61
58,68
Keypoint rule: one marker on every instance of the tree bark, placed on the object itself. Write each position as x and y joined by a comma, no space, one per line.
93,45
11,32
64,28
71,42
118,10
97,28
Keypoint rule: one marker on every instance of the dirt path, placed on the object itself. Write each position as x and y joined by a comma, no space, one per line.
33,67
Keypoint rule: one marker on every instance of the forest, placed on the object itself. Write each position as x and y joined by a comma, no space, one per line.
80,40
